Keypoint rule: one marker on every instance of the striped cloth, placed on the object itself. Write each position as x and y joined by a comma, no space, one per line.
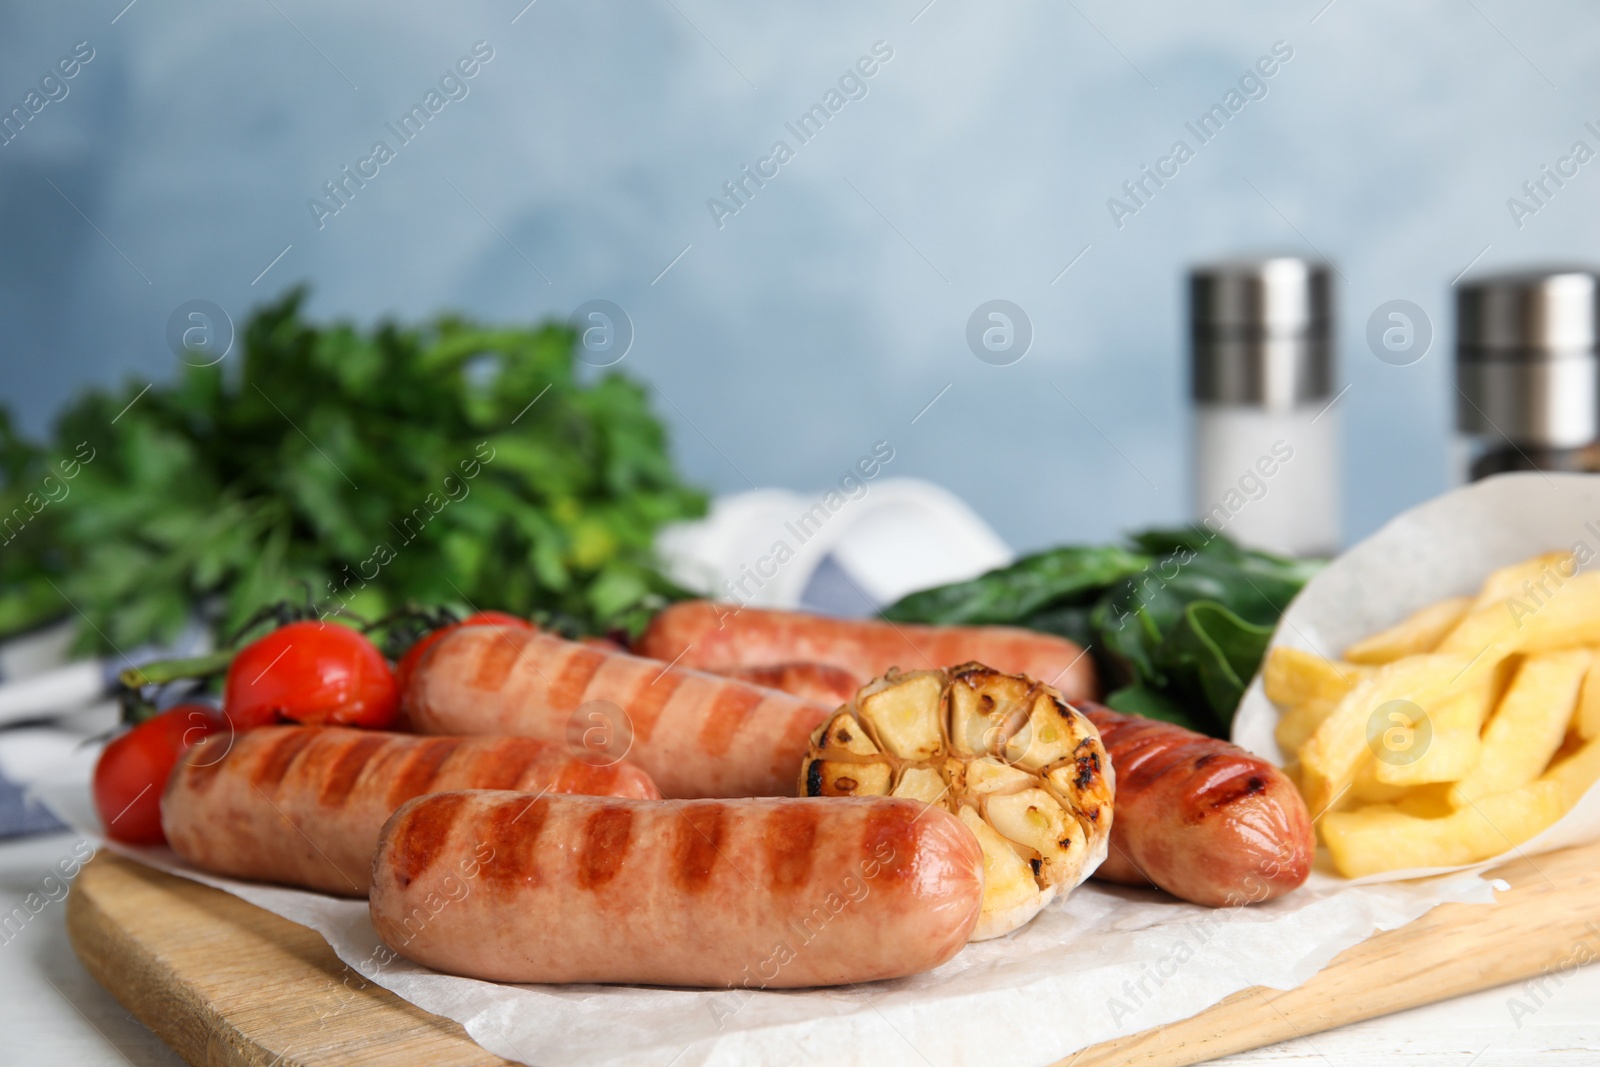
20,815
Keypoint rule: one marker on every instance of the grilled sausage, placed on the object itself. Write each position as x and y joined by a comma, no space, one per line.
721,637
1198,817
303,805
820,682
762,893
695,734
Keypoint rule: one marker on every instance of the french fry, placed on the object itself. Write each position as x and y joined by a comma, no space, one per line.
1464,766
1427,801
1430,801
1367,788
1527,727
1307,688
1454,747
1298,723
1576,774
1331,757
1567,617
1293,676
1587,721
1385,838
1519,579
1420,632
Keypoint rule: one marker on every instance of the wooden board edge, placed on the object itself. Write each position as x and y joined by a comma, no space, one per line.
279,997
1552,906
157,995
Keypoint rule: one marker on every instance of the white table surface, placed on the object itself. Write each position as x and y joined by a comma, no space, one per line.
52,1012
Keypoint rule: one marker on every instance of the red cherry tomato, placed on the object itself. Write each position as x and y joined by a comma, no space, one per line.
314,673
408,662
133,770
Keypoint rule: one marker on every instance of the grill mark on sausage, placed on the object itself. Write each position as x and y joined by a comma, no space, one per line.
1151,751
511,830
1129,756
420,771
649,698
700,831
1237,790
341,777
791,752
729,711
580,777
788,840
820,682
566,692
503,763
419,841
888,835
501,650
607,833
200,767
274,763
770,676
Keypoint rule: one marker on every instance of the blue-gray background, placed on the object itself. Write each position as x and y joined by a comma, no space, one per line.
832,309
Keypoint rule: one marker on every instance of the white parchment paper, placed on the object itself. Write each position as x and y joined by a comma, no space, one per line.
1443,548
1102,963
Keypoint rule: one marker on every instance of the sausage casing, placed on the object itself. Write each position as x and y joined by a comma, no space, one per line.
1201,818
822,683
721,637
762,893
695,734
302,805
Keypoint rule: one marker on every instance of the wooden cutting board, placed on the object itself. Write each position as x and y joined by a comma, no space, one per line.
224,982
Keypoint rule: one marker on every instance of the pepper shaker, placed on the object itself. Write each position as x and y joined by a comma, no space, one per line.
1528,372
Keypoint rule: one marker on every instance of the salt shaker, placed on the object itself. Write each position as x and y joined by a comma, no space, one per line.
1266,436
1528,372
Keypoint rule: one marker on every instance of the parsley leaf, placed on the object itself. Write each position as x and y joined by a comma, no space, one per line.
448,464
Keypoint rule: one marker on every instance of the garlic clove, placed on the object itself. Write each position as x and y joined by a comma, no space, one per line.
1011,895
903,713
924,784
1035,819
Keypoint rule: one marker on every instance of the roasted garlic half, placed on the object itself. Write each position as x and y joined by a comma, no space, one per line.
1006,755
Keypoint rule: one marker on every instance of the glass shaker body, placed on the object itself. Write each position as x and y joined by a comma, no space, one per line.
1266,478
1266,437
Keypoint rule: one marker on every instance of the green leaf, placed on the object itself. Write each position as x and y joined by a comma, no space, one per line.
1025,588
1177,623
616,589
26,606
1214,654
1150,704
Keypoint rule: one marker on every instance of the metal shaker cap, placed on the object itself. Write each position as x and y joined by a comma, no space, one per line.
1261,332
1527,366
